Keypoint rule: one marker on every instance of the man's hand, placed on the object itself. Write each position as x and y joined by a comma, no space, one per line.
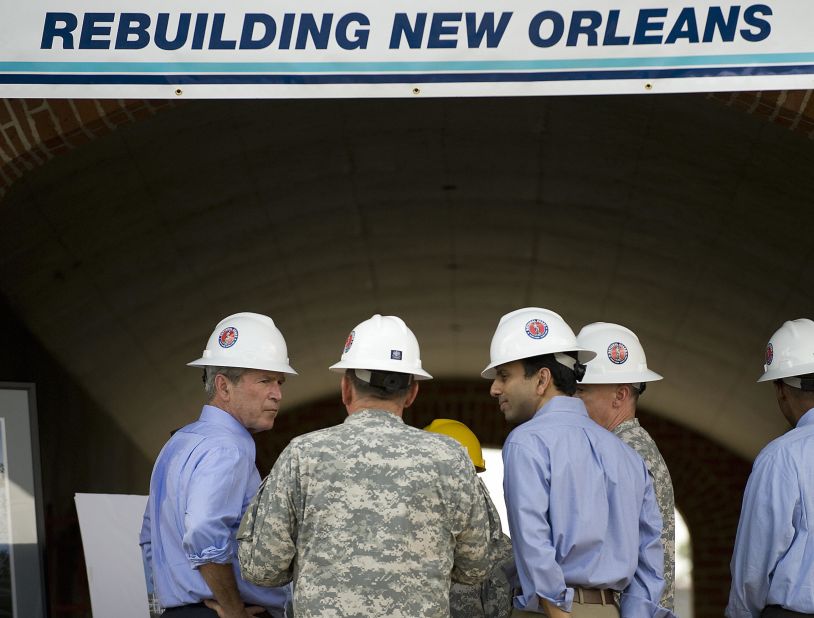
221,581
552,611
252,610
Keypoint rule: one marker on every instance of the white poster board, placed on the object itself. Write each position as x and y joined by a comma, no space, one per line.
21,521
416,48
110,526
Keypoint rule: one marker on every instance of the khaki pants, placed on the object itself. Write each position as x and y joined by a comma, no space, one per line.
578,610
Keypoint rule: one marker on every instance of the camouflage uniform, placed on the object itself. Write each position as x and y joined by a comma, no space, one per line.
369,518
632,434
492,598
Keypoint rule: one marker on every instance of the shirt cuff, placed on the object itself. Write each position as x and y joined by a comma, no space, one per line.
638,607
218,555
532,604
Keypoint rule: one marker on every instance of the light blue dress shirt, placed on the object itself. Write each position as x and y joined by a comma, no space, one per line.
773,562
202,482
582,512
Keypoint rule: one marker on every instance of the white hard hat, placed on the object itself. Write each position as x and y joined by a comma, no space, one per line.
619,358
382,343
529,332
790,351
246,340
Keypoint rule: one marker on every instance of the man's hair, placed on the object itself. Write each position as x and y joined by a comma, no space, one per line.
365,389
564,378
233,374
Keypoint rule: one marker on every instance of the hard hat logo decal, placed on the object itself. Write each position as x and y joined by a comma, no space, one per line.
617,352
536,329
227,337
395,354
769,354
349,341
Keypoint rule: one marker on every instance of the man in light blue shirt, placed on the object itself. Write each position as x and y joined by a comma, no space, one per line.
205,477
773,562
581,507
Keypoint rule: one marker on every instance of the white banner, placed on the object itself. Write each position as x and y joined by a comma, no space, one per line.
366,48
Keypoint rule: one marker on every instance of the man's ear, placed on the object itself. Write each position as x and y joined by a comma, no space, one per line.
779,391
223,387
412,393
544,379
347,391
621,394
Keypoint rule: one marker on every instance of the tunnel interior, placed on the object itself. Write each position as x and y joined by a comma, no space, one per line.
673,215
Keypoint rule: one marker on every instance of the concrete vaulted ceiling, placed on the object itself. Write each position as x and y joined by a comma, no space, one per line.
672,215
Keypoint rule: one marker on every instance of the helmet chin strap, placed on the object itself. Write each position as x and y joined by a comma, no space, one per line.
579,371
565,359
390,381
572,363
804,383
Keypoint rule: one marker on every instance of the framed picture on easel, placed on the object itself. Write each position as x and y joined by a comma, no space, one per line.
21,514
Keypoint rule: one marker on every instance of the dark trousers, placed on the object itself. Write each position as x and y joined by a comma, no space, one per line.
775,611
199,610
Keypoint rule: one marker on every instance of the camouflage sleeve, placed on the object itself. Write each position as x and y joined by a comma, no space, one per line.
471,559
496,590
267,538
642,442
641,597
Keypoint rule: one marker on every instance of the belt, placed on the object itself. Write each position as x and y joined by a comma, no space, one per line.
592,596
777,611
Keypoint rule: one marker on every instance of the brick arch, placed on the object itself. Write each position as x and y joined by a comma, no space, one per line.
708,479
33,131
793,109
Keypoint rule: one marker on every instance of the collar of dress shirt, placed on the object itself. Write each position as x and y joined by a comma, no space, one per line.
563,403
806,419
213,414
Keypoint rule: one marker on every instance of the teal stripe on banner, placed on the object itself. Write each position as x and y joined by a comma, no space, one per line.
400,67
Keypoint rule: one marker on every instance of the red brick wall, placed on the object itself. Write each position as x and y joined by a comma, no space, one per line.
708,479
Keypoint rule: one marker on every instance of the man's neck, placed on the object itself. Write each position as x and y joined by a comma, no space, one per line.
220,404
549,394
619,417
375,404
801,411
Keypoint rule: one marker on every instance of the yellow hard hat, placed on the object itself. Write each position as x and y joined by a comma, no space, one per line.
464,435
